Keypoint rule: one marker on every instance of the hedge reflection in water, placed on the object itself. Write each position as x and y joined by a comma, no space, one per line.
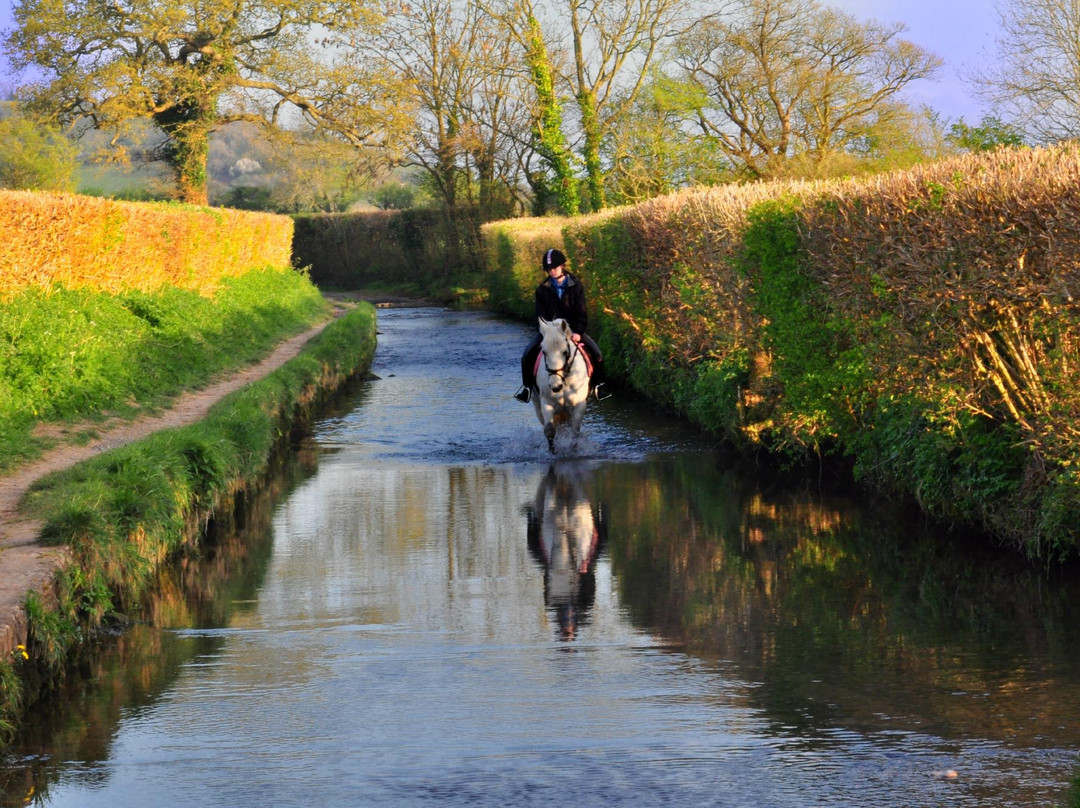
131,669
841,618
843,614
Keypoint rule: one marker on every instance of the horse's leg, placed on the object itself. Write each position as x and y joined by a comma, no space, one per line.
577,415
549,433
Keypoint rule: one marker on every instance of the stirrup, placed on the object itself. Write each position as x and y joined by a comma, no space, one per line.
599,394
524,395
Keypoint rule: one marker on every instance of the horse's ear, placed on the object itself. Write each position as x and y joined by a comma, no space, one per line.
565,327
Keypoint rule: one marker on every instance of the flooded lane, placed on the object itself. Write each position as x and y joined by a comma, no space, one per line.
437,613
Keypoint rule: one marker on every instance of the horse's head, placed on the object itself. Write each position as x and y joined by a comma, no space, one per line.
558,348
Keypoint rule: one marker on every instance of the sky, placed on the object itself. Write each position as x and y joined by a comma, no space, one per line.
959,31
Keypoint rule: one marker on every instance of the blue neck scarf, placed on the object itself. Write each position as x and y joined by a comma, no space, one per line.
560,285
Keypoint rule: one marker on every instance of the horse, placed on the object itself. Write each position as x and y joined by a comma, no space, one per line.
562,377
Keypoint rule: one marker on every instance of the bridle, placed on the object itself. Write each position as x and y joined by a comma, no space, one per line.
569,363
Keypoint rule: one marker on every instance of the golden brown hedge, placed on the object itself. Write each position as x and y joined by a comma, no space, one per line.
51,238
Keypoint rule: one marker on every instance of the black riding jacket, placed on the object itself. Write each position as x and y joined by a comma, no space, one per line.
571,307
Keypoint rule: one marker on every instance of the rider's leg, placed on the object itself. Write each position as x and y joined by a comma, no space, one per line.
528,359
599,376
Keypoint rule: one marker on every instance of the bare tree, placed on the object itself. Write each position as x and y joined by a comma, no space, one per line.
458,63
1035,76
614,45
786,78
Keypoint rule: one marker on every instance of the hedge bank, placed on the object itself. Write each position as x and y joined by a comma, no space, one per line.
110,307
126,512
922,326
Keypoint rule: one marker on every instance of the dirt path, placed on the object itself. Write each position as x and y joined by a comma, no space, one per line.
25,564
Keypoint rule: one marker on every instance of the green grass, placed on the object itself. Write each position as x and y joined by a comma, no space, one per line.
74,355
125,511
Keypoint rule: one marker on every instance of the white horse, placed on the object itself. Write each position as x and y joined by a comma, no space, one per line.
562,378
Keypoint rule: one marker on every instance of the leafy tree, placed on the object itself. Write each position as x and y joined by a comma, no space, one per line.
787,78
35,155
652,152
394,196
192,66
988,135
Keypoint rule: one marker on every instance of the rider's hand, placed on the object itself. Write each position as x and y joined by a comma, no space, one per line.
576,337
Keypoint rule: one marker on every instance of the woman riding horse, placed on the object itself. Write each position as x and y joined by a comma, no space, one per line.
560,295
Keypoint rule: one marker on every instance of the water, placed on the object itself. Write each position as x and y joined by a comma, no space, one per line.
431,610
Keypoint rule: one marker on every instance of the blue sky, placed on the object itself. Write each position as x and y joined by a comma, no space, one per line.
960,31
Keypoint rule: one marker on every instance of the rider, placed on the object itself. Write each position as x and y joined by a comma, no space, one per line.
560,295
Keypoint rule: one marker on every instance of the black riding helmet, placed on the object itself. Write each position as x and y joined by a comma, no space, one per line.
552,258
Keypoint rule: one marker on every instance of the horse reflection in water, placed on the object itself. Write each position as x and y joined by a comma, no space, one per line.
565,536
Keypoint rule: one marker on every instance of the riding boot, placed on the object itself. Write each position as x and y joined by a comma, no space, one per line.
524,395
597,381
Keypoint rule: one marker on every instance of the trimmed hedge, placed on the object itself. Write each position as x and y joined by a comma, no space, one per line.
54,239
923,325
427,248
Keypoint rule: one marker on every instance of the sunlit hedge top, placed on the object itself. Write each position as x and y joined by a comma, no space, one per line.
62,239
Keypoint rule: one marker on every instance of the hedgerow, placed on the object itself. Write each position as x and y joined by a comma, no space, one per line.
922,325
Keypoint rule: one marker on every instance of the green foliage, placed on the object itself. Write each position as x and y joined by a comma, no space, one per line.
714,398
11,699
394,196
652,153
36,156
50,635
820,368
248,197
990,133
956,465
79,354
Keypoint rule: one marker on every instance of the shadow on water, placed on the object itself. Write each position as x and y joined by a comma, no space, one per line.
123,673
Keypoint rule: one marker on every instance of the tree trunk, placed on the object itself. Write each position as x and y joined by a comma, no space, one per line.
591,150
188,126
190,165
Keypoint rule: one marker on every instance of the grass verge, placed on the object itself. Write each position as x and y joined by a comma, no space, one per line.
79,355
